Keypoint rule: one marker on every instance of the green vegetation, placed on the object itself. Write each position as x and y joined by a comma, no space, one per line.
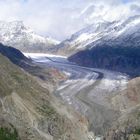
8,134
47,110
17,77
56,124
137,131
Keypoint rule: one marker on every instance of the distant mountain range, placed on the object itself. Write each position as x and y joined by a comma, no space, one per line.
18,35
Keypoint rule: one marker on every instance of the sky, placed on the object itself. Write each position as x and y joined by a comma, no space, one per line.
61,18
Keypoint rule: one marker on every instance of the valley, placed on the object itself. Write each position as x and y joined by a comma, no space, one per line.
70,70
91,91
87,90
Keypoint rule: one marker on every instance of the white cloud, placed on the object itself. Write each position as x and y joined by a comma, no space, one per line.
61,18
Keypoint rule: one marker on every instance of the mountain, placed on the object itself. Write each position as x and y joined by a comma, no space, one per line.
82,38
28,110
18,35
123,32
13,54
114,45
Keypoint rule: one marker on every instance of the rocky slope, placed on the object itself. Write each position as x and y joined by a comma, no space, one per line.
16,34
31,112
127,127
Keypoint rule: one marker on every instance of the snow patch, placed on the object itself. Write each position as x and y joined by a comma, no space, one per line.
42,55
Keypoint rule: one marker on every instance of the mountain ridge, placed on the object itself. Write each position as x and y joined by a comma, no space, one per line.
116,48
122,33
18,35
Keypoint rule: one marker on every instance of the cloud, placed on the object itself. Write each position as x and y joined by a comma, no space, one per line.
61,18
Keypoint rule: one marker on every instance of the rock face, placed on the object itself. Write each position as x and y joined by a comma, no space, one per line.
16,34
127,127
113,46
31,110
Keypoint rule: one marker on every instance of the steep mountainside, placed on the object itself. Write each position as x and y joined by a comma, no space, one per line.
123,33
49,75
13,54
118,58
31,112
127,127
82,38
16,34
115,46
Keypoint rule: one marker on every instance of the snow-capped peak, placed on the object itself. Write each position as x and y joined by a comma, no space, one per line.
50,39
14,26
124,32
18,35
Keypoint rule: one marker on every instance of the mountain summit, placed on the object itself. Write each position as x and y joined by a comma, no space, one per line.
18,35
